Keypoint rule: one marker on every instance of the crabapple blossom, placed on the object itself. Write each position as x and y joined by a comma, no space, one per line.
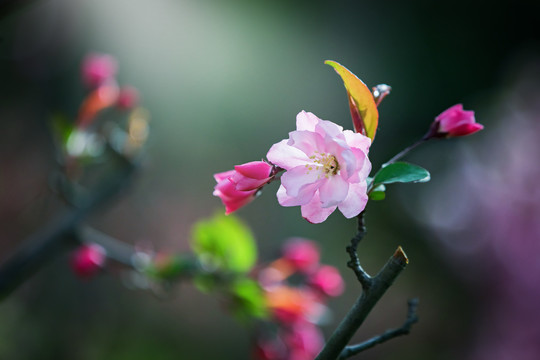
98,69
88,259
455,121
238,187
327,280
326,168
303,254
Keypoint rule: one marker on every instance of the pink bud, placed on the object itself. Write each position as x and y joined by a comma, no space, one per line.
327,280
226,190
457,122
128,98
88,259
238,187
303,254
251,175
97,69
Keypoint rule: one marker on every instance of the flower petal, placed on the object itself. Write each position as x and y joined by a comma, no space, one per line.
297,178
305,196
355,201
333,191
314,213
307,141
306,121
286,156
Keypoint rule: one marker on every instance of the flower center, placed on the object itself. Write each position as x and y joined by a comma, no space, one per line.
325,163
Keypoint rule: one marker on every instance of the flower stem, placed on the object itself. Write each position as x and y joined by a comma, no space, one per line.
405,151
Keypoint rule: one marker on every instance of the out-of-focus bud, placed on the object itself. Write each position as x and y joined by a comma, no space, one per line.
303,254
304,341
128,98
455,122
97,69
327,280
88,259
380,92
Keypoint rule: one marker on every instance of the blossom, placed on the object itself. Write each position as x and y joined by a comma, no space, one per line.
455,121
327,280
97,69
326,168
238,187
128,98
88,259
303,254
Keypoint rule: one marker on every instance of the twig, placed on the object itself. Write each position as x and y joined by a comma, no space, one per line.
405,329
363,305
354,263
41,246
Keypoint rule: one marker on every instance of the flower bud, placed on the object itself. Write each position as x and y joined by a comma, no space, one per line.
328,281
98,69
88,259
303,254
455,122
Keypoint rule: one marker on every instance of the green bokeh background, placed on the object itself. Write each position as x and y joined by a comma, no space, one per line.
223,81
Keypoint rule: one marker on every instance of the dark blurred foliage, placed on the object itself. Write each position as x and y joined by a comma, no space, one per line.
223,81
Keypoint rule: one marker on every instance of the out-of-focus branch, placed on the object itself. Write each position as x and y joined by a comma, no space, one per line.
405,329
363,306
43,245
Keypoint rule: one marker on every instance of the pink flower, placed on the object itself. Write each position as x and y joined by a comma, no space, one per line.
327,280
326,168
98,69
302,254
88,259
457,122
238,187
128,98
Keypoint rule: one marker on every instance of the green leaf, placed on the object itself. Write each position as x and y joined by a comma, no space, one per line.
224,243
362,105
248,300
400,172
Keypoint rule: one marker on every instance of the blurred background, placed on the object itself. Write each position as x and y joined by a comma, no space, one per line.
223,81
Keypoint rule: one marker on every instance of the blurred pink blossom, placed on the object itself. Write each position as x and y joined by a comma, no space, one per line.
238,187
98,69
327,280
128,98
303,254
326,168
457,122
88,259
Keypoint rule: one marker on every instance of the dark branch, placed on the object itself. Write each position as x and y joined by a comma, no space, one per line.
363,306
354,262
405,329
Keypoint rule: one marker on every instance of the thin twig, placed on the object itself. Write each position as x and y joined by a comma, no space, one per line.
363,306
354,262
405,329
43,245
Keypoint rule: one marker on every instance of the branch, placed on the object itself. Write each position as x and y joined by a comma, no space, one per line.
405,329
43,245
360,310
354,263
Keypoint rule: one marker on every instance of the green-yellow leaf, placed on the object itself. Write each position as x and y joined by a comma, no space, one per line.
363,108
224,243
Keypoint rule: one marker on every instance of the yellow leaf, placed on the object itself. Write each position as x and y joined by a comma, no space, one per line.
363,108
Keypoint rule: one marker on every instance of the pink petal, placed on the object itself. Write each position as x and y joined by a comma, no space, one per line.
363,166
297,178
465,129
450,112
355,201
307,141
306,121
333,191
254,169
328,128
223,175
314,213
286,156
357,140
